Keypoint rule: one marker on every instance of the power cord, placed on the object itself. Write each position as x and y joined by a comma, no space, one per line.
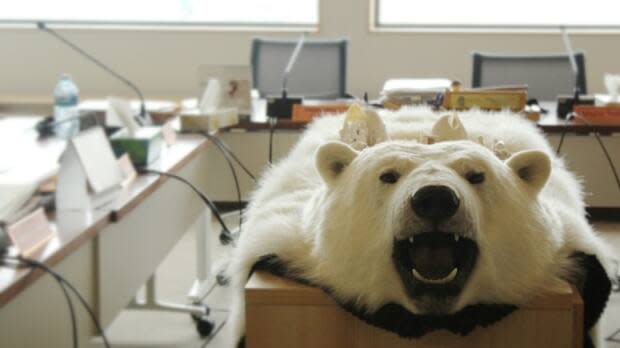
227,153
272,128
64,284
612,167
224,148
559,148
226,237
71,312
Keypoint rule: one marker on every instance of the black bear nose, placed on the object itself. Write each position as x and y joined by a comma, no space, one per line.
435,202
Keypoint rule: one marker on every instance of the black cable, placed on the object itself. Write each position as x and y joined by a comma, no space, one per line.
272,128
227,157
225,148
612,337
74,334
72,313
62,280
226,237
605,152
559,148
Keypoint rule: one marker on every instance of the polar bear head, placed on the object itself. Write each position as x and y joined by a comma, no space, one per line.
431,227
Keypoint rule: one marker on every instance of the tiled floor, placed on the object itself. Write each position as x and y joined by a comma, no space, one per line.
157,329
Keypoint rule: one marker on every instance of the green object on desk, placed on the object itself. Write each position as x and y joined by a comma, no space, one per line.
143,147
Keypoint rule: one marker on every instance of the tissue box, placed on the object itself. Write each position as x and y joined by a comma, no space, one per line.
195,120
143,147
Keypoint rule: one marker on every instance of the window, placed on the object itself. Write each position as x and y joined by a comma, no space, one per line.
494,13
301,13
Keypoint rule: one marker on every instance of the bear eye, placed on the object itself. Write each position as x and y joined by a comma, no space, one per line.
474,177
389,177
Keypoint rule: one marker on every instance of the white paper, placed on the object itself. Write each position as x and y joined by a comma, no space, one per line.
121,110
72,184
612,83
211,97
405,86
97,160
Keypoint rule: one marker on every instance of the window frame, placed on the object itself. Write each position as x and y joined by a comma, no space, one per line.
375,26
165,26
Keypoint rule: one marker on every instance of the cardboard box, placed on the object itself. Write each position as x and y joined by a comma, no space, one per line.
281,313
194,120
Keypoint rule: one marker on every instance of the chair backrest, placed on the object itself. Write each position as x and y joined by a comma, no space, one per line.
545,75
319,72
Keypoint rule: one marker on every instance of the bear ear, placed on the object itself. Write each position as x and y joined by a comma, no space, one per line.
531,166
332,159
449,127
362,128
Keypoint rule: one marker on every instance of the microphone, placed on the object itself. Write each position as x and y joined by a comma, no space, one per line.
567,103
143,118
47,126
283,107
571,59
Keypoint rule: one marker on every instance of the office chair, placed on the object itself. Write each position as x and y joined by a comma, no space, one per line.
545,75
320,71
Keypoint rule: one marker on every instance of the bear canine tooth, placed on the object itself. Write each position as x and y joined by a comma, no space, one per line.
450,277
456,237
410,239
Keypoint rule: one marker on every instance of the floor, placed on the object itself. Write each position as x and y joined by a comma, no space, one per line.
137,329
145,328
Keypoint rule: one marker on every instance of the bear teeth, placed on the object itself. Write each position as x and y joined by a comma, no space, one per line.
411,240
450,277
456,237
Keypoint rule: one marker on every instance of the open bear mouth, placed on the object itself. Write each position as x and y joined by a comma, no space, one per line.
434,265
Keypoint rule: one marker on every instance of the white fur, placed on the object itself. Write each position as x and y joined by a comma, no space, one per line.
339,231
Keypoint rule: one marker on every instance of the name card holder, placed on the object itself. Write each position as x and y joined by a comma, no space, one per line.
486,100
31,232
129,171
169,133
598,115
90,176
305,113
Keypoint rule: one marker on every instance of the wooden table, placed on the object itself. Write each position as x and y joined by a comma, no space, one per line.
281,313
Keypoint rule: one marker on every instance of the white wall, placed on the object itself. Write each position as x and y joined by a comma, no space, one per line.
165,62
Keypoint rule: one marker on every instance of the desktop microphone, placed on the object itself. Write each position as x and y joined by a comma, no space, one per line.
283,107
566,103
143,118
47,126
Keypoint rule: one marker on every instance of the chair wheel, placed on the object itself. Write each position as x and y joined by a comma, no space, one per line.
204,326
222,279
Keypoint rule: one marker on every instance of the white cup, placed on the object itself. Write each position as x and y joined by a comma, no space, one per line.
612,83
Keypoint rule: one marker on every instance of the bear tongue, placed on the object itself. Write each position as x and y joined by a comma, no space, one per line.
432,262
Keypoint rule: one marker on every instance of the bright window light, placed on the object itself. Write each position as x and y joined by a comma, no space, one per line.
494,13
227,12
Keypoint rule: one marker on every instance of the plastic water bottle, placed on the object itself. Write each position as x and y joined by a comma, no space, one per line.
66,108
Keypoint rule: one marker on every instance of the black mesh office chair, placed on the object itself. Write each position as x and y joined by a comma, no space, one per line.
545,75
320,70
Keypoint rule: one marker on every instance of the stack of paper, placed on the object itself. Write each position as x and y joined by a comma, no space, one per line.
399,92
26,162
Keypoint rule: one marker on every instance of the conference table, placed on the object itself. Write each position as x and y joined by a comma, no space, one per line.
110,252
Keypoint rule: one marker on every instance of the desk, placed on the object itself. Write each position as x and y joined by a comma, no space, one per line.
93,252
580,150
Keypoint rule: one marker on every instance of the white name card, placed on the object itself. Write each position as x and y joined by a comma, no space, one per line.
89,172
